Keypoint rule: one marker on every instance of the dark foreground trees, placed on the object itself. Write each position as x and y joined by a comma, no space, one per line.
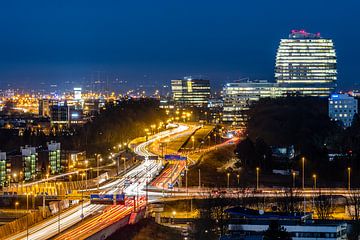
115,124
276,231
303,123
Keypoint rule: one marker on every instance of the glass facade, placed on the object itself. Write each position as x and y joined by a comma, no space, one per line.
238,97
306,64
342,108
191,92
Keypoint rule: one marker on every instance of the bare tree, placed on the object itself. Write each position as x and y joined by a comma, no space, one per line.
288,200
353,207
323,206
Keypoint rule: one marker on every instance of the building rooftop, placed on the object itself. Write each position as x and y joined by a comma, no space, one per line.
340,96
255,214
303,34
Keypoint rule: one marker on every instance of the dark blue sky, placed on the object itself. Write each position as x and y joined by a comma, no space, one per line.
65,40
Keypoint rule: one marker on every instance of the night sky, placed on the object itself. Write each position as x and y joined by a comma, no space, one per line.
155,41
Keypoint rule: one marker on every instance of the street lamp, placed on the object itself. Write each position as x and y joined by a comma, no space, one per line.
228,180
193,141
349,176
314,177
257,177
86,177
238,179
293,177
303,172
98,159
16,205
199,178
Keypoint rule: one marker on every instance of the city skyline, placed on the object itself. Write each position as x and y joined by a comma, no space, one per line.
71,42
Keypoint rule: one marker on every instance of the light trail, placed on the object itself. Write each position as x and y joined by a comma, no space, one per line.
141,174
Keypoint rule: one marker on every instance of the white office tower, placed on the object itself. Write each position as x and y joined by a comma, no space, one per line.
239,95
342,108
77,93
306,65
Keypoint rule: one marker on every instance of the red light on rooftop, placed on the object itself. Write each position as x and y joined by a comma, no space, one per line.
304,33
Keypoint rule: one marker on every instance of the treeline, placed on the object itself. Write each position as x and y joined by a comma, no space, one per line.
115,124
304,123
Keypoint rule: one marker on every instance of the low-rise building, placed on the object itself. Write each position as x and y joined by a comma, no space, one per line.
342,108
251,224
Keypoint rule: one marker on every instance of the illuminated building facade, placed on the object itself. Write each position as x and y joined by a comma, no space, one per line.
29,159
64,113
54,157
342,108
191,92
2,168
239,95
77,93
306,65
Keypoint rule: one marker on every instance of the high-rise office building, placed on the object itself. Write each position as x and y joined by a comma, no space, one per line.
44,107
306,64
239,95
342,108
63,113
191,92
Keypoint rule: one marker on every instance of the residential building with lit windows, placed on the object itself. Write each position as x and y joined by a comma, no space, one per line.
2,168
239,95
191,92
54,157
342,108
29,159
306,65
245,223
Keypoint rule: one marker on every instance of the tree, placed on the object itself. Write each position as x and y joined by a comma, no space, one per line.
323,206
245,151
353,206
276,231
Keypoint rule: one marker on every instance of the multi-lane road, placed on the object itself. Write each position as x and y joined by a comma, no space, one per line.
139,176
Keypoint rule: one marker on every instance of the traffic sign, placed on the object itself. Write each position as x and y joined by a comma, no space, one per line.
175,157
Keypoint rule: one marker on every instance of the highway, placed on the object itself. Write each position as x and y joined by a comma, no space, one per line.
139,176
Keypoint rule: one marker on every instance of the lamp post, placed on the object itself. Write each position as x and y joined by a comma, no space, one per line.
257,178
228,180
238,179
314,177
199,178
303,172
349,177
16,205
293,178
186,181
124,159
27,214
193,142
86,177
97,161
